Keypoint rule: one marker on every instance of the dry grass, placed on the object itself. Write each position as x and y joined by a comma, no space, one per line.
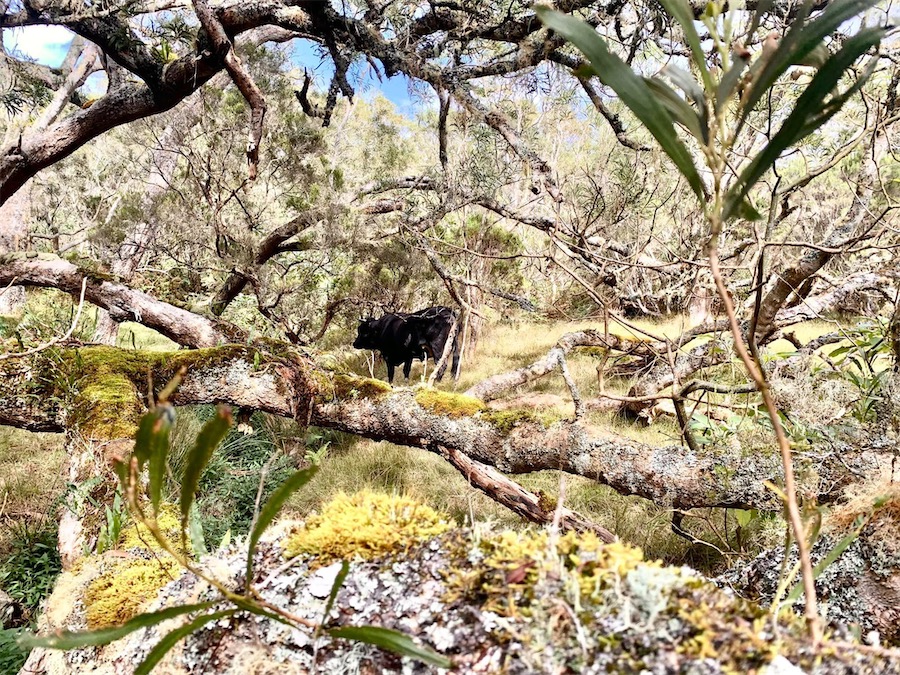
30,476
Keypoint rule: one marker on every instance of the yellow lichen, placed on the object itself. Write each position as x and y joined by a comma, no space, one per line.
448,404
367,525
124,588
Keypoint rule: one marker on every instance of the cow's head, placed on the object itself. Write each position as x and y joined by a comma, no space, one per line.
366,334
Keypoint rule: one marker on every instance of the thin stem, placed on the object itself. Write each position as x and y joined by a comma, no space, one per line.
809,587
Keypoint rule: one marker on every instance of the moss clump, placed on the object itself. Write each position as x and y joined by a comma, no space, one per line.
367,524
514,562
449,405
504,421
341,387
124,588
105,402
105,383
137,535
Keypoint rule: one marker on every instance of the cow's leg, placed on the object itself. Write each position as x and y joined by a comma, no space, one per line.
390,367
407,366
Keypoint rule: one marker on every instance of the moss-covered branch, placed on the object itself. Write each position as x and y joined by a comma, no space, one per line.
101,390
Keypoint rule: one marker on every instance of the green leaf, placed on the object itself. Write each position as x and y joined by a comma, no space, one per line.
631,89
271,508
679,109
151,445
195,530
335,587
171,639
156,467
729,82
69,640
744,516
391,640
684,15
809,105
833,555
799,42
198,457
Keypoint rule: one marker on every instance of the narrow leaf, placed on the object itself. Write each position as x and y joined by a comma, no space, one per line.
171,639
684,15
833,555
797,126
681,112
391,640
800,40
729,82
684,81
156,467
152,431
630,88
195,531
271,508
198,457
335,587
69,640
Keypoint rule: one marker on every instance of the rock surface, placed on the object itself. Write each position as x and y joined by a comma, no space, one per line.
493,602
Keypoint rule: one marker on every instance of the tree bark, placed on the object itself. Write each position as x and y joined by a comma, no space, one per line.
122,303
292,385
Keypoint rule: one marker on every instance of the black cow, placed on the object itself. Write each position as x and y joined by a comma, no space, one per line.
403,337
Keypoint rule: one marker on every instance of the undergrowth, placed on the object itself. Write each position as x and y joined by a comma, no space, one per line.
229,484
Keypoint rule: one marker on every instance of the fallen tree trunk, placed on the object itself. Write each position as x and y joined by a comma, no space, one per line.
108,394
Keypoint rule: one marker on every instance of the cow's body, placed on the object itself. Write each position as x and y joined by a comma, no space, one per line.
402,338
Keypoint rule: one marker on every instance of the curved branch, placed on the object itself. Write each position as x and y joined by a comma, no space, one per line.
122,303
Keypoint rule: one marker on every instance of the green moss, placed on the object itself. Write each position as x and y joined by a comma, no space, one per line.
105,384
505,421
367,524
105,402
449,404
342,387
125,588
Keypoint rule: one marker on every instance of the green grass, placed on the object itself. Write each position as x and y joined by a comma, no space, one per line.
12,656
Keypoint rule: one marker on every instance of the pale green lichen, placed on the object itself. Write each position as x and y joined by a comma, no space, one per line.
367,524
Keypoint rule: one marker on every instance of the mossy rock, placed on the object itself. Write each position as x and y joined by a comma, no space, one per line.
512,602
